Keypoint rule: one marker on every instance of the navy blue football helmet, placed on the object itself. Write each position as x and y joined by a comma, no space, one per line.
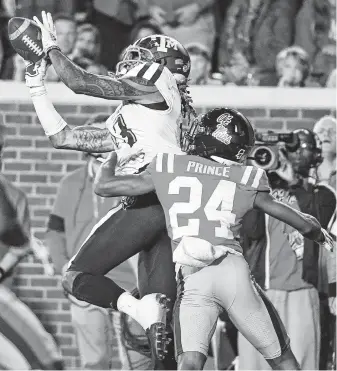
222,132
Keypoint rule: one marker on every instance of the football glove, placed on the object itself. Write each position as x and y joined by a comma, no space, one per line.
328,242
35,73
48,30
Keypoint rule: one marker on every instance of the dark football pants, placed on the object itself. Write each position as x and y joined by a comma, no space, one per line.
124,234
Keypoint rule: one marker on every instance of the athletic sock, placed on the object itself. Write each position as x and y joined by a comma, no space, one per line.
97,290
127,304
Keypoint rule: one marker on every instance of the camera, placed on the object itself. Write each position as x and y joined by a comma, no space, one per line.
265,153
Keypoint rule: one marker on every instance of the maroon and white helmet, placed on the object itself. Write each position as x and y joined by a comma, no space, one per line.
160,49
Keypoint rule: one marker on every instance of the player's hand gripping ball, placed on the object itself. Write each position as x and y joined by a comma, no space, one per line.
26,38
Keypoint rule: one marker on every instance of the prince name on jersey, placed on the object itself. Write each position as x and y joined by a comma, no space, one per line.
205,199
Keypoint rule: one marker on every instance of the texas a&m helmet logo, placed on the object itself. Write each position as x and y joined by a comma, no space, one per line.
165,43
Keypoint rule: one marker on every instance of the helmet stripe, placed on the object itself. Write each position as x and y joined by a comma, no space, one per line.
142,71
157,74
134,71
150,71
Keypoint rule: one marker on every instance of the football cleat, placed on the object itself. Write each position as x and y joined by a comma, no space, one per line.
152,313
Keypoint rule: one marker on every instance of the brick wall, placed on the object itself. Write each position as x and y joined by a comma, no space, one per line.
31,162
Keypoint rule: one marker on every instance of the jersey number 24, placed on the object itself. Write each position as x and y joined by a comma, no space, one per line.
218,208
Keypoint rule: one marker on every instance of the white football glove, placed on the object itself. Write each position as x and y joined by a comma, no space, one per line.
48,30
35,73
328,243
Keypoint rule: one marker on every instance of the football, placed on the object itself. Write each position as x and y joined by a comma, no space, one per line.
25,37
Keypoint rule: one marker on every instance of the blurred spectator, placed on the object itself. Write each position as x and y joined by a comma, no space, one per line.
252,35
325,179
325,128
292,67
24,342
187,21
31,8
66,31
77,209
87,49
115,19
236,70
316,34
141,29
144,28
82,10
6,50
200,63
331,83
322,67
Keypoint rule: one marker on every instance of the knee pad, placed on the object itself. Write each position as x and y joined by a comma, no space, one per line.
68,279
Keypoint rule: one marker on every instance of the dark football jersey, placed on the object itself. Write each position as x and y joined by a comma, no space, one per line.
204,198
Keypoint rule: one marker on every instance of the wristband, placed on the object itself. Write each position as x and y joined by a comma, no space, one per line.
50,48
37,91
315,235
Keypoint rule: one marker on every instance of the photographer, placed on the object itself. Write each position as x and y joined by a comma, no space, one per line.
281,260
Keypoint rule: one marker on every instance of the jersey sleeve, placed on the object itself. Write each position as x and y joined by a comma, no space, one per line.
261,181
159,76
252,178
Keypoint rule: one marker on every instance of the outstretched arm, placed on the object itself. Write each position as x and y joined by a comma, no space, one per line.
306,224
107,184
82,138
132,88
107,87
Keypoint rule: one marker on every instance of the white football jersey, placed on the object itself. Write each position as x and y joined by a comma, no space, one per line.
135,127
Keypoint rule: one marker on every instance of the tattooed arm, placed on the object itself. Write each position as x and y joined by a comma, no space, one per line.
81,82
83,138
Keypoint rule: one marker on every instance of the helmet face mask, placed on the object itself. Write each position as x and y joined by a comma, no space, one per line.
188,142
156,48
221,132
133,56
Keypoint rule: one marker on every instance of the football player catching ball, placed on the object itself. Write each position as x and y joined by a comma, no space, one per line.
151,80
